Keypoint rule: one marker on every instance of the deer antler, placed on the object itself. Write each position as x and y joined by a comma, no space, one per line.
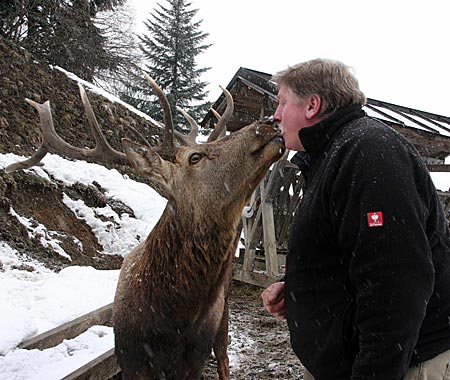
103,152
218,117
167,148
220,127
188,139
53,143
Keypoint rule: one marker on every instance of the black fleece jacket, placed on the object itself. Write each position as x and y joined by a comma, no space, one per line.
368,285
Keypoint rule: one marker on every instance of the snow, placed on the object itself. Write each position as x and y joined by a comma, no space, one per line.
46,237
34,302
56,362
146,203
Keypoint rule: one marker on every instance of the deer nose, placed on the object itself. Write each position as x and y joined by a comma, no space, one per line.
267,120
270,120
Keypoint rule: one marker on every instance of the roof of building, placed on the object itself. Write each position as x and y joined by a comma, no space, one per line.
254,97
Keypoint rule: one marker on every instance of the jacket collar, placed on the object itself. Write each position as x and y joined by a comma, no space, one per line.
316,137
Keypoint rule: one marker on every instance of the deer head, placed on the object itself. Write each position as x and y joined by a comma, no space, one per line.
220,174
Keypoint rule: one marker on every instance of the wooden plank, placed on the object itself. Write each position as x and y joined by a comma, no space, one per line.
270,243
438,168
260,262
274,177
444,194
101,368
253,278
69,330
249,259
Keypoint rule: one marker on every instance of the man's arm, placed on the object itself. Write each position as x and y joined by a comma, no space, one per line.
390,260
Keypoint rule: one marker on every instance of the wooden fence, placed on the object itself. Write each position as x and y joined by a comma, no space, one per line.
103,367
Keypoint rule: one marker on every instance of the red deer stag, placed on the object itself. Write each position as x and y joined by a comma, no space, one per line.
170,308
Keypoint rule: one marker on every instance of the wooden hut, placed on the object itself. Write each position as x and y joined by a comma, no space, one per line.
267,218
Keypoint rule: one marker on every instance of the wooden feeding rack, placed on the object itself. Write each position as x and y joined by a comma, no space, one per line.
265,224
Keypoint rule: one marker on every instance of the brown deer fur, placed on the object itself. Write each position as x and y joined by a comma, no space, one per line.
171,301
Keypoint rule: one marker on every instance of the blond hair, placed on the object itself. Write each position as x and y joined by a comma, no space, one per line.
333,81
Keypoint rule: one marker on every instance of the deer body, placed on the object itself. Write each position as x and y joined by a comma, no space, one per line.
171,301
173,288
170,307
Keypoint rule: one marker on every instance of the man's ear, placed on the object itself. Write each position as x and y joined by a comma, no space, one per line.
313,106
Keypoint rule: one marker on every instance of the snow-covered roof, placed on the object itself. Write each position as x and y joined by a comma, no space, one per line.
255,95
408,117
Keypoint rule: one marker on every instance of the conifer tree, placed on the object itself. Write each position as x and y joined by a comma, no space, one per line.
173,41
60,32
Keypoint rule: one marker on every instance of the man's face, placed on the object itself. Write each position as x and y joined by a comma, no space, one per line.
292,115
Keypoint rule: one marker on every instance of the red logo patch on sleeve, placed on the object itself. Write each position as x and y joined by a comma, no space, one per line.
375,219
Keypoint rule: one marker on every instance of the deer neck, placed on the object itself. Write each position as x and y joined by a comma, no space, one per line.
194,246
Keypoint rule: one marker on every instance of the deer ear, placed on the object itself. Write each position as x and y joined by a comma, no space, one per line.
149,163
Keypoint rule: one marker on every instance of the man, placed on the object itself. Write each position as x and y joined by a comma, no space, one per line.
367,290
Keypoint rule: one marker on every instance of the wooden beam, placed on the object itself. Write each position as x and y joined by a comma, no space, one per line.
249,259
444,194
103,367
270,242
438,168
253,278
275,177
69,330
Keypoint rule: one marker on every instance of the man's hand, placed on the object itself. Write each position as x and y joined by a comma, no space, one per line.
273,299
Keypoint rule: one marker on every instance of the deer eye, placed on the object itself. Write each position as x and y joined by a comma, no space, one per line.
195,158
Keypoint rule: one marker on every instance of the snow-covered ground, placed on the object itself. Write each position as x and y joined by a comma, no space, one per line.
34,302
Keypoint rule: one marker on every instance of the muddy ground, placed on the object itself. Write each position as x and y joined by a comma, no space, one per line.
259,346
259,343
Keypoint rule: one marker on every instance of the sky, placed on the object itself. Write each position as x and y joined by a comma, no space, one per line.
397,48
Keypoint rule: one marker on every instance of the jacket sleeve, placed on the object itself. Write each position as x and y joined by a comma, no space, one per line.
390,262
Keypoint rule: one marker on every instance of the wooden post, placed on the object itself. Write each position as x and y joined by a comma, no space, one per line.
249,259
270,243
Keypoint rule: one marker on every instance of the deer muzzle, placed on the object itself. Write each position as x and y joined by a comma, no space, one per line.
267,135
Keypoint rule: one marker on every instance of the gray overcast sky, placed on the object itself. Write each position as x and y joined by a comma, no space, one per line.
399,49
